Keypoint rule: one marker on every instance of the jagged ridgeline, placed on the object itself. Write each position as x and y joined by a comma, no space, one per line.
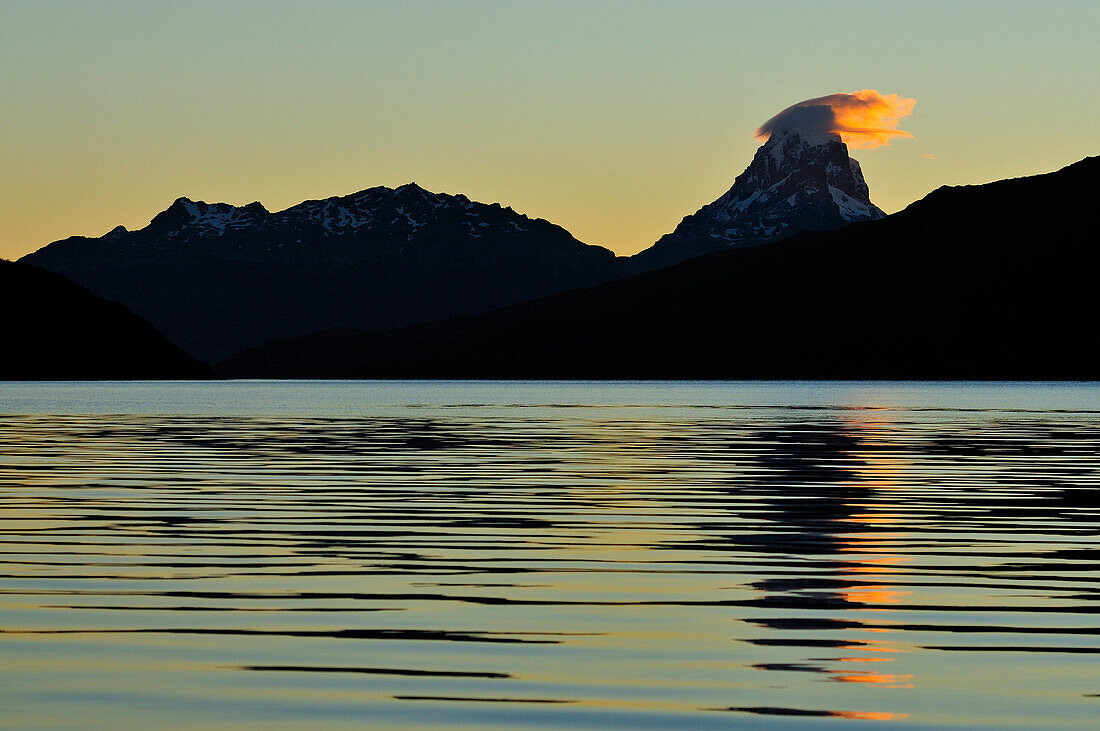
217,278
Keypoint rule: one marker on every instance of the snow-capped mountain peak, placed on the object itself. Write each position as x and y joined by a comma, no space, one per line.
218,278
206,218
371,223
796,181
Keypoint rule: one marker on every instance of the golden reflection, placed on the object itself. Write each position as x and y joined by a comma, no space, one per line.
868,647
870,715
860,530
881,473
866,676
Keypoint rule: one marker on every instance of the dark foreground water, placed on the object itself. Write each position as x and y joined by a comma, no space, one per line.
539,554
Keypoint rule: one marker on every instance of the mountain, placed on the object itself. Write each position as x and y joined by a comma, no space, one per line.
216,278
55,329
995,281
795,182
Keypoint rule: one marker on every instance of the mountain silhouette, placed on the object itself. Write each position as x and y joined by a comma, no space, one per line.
216,278
993,281
795,182
55,329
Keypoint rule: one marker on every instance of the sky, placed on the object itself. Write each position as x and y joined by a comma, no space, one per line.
612,119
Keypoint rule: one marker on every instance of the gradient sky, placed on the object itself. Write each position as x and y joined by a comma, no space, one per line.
612,119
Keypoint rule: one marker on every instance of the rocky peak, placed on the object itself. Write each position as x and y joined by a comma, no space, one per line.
201,217
795,182
790,160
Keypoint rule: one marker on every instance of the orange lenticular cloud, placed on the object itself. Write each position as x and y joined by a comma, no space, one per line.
863,119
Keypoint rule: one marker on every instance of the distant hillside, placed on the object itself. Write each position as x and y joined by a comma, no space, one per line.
55,329
216,278
992,281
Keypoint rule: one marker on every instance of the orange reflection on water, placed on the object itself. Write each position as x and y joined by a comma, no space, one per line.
870,715
870,647
867,676
877,558
875,595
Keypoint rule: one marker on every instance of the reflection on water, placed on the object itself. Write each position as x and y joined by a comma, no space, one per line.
714,555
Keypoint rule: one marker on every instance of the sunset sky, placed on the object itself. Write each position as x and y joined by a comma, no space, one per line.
612,119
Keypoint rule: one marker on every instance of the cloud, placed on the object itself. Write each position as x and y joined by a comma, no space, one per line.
863,119
929,156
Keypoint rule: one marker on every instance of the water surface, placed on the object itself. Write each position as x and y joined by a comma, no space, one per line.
549,554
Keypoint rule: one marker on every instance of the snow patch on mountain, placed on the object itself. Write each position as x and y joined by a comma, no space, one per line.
852,209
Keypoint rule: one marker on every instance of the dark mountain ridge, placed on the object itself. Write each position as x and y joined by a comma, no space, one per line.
216,277
994,281
55,329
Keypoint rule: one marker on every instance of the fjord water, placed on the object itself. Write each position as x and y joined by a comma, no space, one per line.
549,554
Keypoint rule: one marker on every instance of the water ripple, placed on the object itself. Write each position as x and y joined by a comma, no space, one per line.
518,562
